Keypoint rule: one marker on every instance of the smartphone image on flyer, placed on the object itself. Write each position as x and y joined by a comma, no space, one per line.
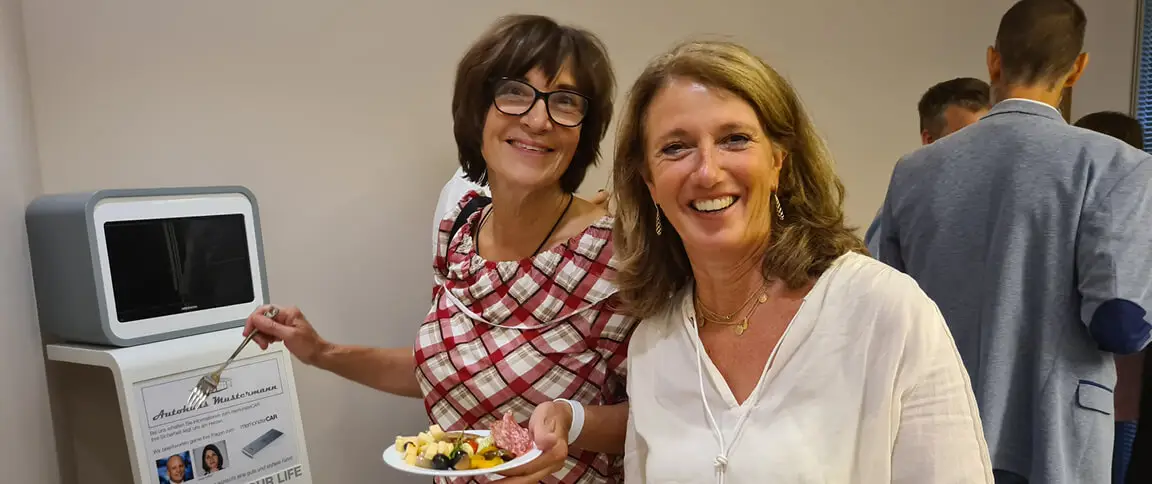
261,442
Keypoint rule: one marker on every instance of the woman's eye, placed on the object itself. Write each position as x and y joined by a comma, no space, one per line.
672,149
737,140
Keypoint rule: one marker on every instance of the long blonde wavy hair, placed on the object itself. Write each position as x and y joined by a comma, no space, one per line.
802,246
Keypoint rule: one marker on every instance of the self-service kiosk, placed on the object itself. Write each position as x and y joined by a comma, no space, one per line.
150,288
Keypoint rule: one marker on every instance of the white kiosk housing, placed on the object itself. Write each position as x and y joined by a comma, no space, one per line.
151,287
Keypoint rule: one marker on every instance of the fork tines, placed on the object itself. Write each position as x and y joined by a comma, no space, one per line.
209,382
200,393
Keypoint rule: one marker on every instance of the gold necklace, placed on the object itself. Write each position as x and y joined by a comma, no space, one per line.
707,315
717,316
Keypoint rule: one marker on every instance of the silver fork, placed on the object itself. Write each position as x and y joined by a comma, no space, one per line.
209,382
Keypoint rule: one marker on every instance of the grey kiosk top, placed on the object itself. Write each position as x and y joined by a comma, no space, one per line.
125,267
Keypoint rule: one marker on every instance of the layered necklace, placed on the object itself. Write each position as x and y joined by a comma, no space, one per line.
737,320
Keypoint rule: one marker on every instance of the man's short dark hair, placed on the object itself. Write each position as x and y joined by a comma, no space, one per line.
965,92
513,46
1117,125
1039,41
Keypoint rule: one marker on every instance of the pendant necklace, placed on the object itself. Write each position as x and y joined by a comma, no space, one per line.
739,326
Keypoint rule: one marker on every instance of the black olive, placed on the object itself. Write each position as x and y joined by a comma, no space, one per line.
456,456
492,454
441,462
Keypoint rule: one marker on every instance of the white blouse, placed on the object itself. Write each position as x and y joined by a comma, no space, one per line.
866,386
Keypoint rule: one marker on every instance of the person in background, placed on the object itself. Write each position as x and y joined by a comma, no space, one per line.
1128,367
949,106
453,191
944,109
523,318
1034,237
772,350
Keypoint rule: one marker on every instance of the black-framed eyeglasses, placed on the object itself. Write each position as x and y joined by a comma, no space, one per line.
515,98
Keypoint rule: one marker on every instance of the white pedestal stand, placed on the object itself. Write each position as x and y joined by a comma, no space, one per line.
256,403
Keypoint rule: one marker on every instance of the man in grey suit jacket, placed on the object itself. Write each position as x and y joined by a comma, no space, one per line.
944,108
1035,239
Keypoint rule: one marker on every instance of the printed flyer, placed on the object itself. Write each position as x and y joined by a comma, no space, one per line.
243,434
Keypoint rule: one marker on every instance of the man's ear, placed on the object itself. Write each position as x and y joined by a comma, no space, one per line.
600,198
1077,69
993,60
925,137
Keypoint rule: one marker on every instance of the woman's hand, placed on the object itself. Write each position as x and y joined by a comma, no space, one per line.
600,198
289,326
549,428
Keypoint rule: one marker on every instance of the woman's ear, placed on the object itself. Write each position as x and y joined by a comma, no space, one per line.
646,176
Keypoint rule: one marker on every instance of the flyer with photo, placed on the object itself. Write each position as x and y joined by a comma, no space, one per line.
245,433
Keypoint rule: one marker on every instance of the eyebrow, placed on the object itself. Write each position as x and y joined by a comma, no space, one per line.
738,126
563,86
733,126
675,133
569,88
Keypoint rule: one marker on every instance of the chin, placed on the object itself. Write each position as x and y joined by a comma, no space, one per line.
714,242
530,178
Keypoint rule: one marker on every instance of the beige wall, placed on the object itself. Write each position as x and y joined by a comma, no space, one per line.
336,115
27,446
1111,43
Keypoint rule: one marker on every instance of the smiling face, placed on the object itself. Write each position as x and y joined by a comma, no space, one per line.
712,170
529,151
212,460
176,469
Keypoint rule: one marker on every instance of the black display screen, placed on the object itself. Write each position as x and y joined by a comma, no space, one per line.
175,265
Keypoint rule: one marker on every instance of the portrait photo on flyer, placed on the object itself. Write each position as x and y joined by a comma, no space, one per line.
210,458
174,469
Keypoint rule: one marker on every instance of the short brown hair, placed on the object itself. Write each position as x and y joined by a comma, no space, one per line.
1117,125
965,92
1039,40
513,46
801,247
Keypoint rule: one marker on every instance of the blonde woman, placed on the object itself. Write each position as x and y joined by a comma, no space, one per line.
771,349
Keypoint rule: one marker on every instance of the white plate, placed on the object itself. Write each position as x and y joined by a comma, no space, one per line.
395,459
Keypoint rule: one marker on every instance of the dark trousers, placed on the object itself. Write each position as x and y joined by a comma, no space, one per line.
1005,477
1140,466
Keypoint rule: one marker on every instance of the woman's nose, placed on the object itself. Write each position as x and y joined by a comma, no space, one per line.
536,119
708,170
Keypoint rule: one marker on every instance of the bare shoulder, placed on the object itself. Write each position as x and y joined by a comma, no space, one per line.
581,215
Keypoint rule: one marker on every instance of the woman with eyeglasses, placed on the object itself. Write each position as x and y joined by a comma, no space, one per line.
522,319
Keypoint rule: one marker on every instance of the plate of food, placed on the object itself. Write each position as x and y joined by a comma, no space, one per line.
505,446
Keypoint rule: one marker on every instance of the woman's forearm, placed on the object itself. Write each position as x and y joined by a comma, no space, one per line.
605,428
391,370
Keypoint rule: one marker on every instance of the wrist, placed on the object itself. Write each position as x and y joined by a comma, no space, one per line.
320,355
565,416
572,415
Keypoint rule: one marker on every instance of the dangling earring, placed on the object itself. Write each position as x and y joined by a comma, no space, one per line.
659,227
779,208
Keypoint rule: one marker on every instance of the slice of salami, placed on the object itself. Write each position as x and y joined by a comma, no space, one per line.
510,436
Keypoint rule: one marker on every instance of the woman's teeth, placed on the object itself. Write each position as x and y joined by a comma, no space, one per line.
538,149
714,204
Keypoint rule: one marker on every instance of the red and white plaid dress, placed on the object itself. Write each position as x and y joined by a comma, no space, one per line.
503,337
